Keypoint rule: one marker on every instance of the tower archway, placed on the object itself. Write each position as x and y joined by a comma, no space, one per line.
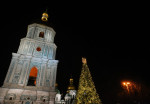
32,77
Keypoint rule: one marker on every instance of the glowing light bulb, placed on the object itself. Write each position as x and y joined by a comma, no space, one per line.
128,83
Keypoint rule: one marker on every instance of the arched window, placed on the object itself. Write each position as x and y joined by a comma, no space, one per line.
41,34
10,98
44,100
32,77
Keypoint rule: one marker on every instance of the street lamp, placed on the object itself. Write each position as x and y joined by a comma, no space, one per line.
133,90
127,85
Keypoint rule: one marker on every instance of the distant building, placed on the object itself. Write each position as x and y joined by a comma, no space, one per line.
69,97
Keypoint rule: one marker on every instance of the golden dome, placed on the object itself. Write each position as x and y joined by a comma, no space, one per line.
44,17
71,86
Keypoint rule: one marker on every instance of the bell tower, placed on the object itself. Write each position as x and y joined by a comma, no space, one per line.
32,72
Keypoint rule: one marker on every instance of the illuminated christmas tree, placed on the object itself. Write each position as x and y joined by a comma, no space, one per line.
86,93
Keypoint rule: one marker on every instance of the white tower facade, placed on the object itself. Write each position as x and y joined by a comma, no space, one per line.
32,72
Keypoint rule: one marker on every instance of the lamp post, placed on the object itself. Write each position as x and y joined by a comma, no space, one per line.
127,93
134,92
127,85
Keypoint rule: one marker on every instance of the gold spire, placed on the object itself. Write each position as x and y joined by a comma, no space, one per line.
71,86
45,16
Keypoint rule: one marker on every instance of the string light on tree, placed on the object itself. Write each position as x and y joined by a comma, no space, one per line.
86,93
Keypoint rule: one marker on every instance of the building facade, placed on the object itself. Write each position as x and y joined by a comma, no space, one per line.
32,72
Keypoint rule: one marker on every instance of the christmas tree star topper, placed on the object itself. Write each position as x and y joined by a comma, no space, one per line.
84,60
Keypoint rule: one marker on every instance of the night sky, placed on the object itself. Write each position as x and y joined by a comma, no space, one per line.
112,36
